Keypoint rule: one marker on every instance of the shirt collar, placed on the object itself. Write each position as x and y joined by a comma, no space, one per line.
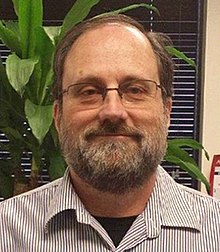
65,198
168,205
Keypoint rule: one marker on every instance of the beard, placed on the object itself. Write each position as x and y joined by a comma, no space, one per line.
114,165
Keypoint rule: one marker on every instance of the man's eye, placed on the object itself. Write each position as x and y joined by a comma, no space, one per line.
89,91
135,90
85,91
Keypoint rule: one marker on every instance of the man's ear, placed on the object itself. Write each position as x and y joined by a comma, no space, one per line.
168,108
56,114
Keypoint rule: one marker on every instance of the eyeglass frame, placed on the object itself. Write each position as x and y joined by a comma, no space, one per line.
105,89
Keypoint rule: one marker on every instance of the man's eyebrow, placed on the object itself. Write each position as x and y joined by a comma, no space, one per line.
90,79
131,77
99,80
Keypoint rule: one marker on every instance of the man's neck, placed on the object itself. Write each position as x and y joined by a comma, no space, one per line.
106,204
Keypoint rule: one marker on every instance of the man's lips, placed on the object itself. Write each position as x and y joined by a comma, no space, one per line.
108,131
113,136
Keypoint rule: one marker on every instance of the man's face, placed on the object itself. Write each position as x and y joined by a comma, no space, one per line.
112,147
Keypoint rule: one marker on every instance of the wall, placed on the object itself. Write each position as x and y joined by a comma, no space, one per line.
210,137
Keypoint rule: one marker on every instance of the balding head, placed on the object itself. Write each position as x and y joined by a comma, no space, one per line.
158,43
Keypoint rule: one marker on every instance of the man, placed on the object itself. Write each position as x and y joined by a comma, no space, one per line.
113,88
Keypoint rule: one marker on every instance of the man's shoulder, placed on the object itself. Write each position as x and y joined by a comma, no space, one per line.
35,194
203,204
198,196
182,194
182,206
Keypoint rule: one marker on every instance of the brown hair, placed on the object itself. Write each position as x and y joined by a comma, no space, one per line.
158,42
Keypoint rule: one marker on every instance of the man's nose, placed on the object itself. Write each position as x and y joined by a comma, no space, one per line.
112,108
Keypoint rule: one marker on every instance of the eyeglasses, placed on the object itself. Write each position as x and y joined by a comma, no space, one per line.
133,93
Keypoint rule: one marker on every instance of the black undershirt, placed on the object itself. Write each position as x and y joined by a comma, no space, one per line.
116,227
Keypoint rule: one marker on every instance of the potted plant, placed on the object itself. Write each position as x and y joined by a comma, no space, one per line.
26,111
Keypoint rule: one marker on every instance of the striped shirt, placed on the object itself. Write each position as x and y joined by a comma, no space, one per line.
53,219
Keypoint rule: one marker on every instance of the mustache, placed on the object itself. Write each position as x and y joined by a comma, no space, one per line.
113,128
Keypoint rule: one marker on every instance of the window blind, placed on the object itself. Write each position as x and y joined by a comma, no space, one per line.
179,19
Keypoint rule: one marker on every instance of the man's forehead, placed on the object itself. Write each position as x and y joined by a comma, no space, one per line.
137,33
112,30
114,26
110,49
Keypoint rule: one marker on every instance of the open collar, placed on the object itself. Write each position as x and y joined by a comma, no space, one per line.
169,205
65,198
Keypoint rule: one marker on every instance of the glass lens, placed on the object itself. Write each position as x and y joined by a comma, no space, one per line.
137,91
133,94
86,94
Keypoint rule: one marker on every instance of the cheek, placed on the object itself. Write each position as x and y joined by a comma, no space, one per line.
149,117
77,120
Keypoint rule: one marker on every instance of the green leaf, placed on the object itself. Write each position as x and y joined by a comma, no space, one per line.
11,102
6,180
53,32
174,150
186,142
4,82
12,133
181,158
13,26
44,51
9,98
39,118
11,109
77,13
19,71
5,89
16,6
10,39
30,16
16,141
57,165
174,52
36,159
54,136
191,168
131,7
